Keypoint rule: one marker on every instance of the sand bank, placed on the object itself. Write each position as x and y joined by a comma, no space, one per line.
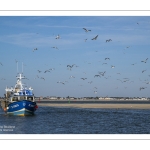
110,106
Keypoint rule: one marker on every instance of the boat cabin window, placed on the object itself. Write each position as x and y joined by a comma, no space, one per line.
15,99
23,98
30,98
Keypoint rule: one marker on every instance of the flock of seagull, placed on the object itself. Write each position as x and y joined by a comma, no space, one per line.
100,74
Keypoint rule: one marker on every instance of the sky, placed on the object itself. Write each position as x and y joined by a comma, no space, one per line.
69,64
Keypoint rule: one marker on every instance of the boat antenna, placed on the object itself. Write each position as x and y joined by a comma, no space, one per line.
17,66
22,67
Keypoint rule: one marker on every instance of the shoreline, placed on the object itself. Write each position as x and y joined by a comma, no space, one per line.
102,106
107,104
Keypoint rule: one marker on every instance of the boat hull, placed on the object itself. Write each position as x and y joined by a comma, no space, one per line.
22,108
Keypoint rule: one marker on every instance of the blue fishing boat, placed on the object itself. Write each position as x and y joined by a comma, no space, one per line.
19,100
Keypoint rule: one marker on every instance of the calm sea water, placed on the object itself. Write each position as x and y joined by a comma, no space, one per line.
50,120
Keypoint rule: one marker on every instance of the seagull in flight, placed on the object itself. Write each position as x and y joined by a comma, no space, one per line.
108,40
90,82
71,77
133,64
39,71
102,73
60,82
86,30
57,37
143,71
42,78
97,75
141,88
52,69
144,60
55,47
94,37
147,82
35,49
69,66
83,78
46,71
85,40
112,66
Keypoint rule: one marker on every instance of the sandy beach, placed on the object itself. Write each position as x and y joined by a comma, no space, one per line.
108,106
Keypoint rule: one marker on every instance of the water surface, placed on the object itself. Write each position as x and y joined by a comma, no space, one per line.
50,120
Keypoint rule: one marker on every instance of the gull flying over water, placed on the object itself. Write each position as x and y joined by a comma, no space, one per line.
97,75
70,66
108,40
143,71
144,60
83,78
52,69
42,78
90,82
71,77
46,71
85,40
141,88
102,73
147,82
61,82
55,47
94,37
112,66
35,49
133,64
86,30
39,71
57,37
125,80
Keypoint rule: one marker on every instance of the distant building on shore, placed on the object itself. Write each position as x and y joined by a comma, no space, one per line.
89,98
52,97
